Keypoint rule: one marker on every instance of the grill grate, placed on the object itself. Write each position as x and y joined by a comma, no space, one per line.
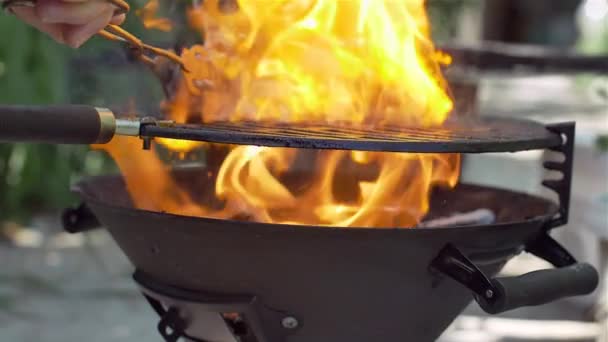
466,135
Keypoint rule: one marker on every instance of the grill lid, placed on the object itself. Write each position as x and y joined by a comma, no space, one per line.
458,135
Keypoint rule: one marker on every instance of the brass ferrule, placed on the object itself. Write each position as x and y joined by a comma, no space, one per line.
107,125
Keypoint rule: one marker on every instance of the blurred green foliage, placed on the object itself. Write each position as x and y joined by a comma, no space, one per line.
31,65
36,177
445,17
36,70
602,143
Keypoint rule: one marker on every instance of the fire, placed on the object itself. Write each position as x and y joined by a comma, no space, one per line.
149,19
354,63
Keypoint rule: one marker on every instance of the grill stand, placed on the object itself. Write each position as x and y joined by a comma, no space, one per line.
209,317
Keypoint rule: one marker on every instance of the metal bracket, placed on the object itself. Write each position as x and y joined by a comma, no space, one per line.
79,219
171,326
453,263
546,248
151,121
201,316
562,186
146,141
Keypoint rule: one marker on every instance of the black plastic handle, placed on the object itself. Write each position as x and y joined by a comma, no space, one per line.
540,287
57,124
496,295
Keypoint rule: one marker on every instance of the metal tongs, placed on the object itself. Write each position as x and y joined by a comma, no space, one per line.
114,33
81,124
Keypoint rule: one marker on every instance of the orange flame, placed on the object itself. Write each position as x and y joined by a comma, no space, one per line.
358,63
149,19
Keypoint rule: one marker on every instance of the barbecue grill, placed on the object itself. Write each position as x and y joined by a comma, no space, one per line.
228,280
215,280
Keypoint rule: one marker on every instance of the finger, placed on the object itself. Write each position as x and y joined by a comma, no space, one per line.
118,19
74,13
75,36
116,7
29,16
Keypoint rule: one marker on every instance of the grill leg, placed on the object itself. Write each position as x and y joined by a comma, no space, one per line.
602,310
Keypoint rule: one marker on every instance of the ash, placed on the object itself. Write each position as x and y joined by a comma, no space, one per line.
476,217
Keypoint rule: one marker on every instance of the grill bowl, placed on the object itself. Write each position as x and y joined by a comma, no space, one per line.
355,285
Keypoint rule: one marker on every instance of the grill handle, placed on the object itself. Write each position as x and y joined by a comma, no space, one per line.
497,295
540,287
56,124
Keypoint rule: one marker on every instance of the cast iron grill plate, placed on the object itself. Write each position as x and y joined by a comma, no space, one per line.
461,135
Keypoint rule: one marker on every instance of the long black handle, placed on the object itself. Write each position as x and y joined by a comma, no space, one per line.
541,287
58,124
500,56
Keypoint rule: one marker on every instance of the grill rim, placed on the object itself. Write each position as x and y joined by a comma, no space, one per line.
84,190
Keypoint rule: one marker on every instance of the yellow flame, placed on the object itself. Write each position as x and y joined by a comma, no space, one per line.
362,61
359,63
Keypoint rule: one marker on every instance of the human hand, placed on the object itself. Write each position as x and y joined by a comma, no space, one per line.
71,22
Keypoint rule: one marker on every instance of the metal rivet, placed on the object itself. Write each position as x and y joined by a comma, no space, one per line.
289,323
489,293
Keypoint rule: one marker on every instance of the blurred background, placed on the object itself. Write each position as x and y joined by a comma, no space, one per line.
59,287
